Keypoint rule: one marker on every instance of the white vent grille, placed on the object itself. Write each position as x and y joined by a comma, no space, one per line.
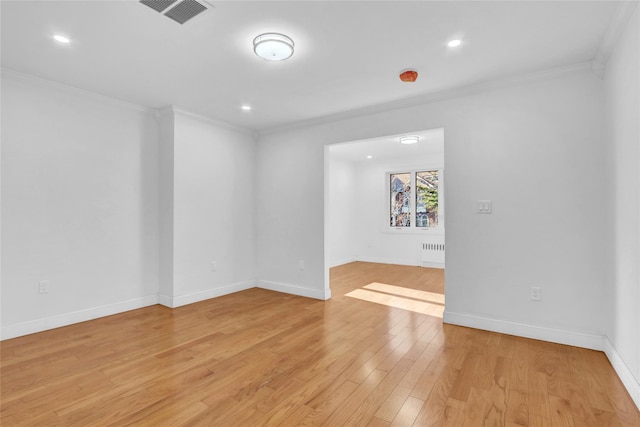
158,5
432,254
178,11
433,247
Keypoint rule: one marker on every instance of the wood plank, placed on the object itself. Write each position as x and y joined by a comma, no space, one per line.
408,412
518,408
561,415
390,407
259,357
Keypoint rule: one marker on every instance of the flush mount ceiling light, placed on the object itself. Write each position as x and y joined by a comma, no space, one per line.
61,39
454,43
273,46
409,139
246,108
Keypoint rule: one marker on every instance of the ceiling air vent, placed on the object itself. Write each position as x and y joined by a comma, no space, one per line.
179,11
158,5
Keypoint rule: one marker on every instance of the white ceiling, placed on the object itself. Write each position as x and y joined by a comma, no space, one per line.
348,54
388,149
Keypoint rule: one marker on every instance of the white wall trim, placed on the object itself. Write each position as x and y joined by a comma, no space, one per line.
343,261
210,120
433,265
472,89
165,300
57,321
92,96
559,336
206,294
628,380
615,29
286,288
382,260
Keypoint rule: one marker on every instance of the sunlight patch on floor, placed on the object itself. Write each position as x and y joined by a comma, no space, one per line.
397,301
407,292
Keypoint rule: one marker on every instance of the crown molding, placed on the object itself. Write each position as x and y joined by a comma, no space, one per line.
209,120
614,30
18,76
14,75
472,89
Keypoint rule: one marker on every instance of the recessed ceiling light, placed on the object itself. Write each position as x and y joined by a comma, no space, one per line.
61,39
369,156
246,108
273,46
454,43
409,139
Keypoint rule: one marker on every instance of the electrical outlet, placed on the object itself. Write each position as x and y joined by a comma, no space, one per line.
214,266
300,265
43,286
535,293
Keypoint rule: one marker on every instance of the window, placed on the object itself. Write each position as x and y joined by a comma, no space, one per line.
427,199
421,211
400,185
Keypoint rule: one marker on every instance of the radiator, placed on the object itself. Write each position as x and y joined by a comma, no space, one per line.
432,254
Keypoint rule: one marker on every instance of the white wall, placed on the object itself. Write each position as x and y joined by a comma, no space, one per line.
95,192
213,209
79,205
375,241
622,77
290,214
343,216
529,147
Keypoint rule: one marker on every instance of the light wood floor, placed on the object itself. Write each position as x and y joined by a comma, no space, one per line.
262,358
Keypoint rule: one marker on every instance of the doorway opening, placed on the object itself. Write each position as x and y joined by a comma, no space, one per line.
385,222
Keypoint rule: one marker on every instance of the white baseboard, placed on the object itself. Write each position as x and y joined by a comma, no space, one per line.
343,261
433,265
323,294
399,261
396,261
39,325
559,336
626,376
165,300
206,294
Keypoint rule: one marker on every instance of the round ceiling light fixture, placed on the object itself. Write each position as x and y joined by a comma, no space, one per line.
454,43
409,139
273,46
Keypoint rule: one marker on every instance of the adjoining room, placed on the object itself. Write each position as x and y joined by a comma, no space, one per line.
385,214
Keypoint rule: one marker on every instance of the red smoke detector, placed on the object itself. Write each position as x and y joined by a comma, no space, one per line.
409,76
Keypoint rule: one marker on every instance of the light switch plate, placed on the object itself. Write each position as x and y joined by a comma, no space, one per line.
484,206
43,286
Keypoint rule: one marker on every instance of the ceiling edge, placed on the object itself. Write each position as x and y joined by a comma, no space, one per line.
472,89
7,73
83,93
215,122
616,27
